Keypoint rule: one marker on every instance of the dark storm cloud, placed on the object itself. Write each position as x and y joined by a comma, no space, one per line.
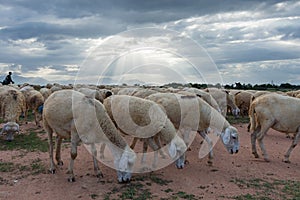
35,34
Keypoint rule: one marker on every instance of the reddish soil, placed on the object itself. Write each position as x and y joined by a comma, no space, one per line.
197,178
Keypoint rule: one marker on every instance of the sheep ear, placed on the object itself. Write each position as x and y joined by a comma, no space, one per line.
123,164
172,149
226,136
3,129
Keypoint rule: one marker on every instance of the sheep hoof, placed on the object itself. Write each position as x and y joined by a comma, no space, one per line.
99,175
255,154
267,159
52,171
60,163
189,149
286,160
71,179
210,163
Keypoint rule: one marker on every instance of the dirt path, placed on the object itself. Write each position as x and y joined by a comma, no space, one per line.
238,176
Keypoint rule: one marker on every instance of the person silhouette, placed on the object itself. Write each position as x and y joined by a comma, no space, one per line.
8,79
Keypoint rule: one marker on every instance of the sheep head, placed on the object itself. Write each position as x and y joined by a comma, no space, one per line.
126,163
177,149
10,128
236,112
230,139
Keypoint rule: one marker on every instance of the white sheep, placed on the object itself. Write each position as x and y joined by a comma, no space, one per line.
70,114
145,119
205,96
128,91
190,113
12,104
243,100
10,129
143,93
293,93
274,111
224,99
45,92
34,102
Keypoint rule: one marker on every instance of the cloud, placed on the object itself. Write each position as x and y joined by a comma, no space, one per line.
41,37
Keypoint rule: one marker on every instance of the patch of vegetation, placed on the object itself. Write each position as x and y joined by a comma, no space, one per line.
266,190
30,142
37,167
7,167
93,196
184,195
240,120
139,189
159,181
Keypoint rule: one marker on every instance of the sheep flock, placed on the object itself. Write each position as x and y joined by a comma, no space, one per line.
165,119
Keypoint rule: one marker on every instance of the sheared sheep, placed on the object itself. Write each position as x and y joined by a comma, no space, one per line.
10,129
70,114
189,113
98,94
274,111
145,119
12,104
205,96
128,91
242,100
224,99
34,101
143,93
293,93
45,92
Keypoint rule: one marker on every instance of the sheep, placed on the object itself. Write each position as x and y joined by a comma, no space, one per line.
70,114
143,93
145,119
242,100
12,104
189,113
45,92
205,96
274,111
10,128
128,91
293,93
224,99
298,96
34,101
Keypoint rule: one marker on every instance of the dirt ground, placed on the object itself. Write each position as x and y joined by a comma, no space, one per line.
238,176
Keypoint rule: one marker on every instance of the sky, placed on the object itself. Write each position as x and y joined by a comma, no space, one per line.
150,42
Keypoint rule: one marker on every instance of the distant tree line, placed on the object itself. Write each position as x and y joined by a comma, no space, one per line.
239,86
267,86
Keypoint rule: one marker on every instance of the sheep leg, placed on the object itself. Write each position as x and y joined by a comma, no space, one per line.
50,143
161,152
74,142
134,141
102,148
253,141
155,148
260,137
58,148
145,148
294,144
96,166
35,119
210,144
